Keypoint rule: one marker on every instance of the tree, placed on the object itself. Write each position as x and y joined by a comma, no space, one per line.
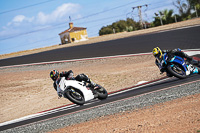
184,8
105,30
193,3
115,27
131,23
166,17
120,26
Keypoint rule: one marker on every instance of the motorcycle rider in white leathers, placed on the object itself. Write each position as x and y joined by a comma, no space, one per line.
68,75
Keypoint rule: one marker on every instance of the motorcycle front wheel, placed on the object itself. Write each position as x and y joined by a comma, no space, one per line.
176,70
75,96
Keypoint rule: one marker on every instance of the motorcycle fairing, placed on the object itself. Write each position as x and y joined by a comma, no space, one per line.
186,67
88,95
180,61
165,57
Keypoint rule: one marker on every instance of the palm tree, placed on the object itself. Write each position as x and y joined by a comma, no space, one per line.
168,18
195,5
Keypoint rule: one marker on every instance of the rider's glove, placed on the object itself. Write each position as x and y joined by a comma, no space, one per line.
60,95
162,70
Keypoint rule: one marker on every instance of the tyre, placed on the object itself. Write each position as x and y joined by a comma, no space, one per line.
176,70
75,96
102,93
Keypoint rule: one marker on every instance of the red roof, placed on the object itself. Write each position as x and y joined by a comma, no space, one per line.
73,29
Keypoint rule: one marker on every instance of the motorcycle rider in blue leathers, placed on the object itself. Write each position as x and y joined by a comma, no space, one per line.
158,54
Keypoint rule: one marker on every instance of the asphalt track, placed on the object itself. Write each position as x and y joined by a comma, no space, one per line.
186,38
125,94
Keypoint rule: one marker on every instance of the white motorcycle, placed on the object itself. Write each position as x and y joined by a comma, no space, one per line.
80,92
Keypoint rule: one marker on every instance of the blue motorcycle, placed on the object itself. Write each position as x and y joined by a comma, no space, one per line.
177,66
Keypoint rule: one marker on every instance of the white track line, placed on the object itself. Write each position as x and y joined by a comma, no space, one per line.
177,28
38,115
139,86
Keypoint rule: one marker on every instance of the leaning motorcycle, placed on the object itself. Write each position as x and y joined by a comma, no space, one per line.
81,92
177,66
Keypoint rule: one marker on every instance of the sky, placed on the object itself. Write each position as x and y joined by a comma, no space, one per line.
28,24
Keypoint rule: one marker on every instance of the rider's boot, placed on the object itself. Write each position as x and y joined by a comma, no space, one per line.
94,91
93,85
195,62
198,65
198,70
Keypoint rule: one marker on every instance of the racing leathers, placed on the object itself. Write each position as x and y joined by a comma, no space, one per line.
68,75
176,52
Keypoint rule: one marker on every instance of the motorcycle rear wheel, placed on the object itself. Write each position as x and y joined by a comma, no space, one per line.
176,70
102,93
75,96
